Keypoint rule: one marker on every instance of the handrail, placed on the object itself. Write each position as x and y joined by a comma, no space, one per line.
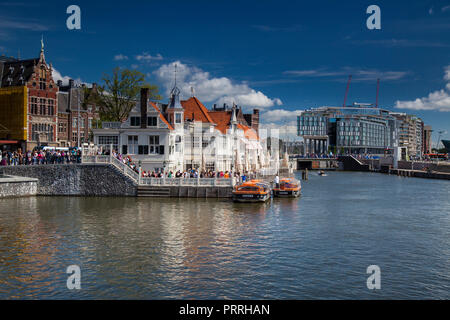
148,181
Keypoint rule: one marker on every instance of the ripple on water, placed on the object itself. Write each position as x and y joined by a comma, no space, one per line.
318,246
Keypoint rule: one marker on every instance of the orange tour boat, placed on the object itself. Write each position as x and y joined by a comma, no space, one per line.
288,187
252,191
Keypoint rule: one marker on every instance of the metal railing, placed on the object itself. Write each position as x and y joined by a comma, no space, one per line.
201,182
147,181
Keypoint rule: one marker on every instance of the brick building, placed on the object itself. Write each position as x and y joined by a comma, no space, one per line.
76,105
28,102
36,111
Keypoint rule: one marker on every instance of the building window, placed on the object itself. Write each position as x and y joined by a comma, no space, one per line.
178,143
51,108
74,122
152,121
90,123
42,106
177,118
132,144
143,150
42,78
154,144
106,141
34,105
62,127
135,121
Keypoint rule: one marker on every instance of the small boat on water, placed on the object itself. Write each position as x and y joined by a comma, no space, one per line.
252,191
288,187
322,173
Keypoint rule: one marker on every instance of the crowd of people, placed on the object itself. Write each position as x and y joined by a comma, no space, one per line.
39,156
192,173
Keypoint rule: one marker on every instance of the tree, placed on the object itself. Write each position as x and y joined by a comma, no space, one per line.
120,92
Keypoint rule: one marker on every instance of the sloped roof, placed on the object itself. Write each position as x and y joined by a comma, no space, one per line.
223,123
195,110
249,133
17,69
161,116
222,120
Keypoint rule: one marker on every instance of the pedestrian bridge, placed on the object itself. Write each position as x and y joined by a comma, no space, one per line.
301,163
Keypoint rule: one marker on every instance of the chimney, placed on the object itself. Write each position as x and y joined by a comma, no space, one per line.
144,103
255,120
71,83
59,83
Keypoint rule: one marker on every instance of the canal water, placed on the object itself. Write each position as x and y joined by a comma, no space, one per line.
315,247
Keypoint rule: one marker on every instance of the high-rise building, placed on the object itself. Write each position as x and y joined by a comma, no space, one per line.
357,129
427,132
411,135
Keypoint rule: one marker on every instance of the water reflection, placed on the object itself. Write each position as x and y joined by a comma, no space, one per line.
317,246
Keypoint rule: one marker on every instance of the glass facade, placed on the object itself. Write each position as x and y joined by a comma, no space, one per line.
354,129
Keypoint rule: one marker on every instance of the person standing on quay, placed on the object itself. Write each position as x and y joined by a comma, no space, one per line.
277,181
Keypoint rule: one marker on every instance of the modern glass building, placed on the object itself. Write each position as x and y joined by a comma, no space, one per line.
357,129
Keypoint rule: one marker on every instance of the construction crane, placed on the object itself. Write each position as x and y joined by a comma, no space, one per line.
346,91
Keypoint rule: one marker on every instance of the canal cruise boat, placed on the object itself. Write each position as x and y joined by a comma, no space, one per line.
252,191
288,187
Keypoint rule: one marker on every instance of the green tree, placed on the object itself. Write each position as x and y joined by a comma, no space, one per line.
120,92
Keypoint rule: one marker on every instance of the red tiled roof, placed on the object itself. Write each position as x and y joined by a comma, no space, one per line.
161,115
249,133
221,119
195,110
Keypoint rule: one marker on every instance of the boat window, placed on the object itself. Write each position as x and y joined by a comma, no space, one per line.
248,189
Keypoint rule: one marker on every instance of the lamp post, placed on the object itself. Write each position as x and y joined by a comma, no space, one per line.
78,116
191,130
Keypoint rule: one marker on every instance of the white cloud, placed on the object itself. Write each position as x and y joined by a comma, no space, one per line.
65,79
430,11
342,74
280,115
57,76
145,57
120,57
437,100
445,9
209,89
285,132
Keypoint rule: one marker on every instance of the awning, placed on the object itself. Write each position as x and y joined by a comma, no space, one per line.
9,142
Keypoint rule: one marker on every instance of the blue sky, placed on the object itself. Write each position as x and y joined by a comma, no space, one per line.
280,56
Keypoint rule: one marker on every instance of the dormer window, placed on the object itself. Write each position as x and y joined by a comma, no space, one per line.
135,121
152,121
178,117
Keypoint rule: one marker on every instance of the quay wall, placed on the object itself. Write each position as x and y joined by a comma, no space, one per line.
75,180
408,165
420,174
200,192
17,186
